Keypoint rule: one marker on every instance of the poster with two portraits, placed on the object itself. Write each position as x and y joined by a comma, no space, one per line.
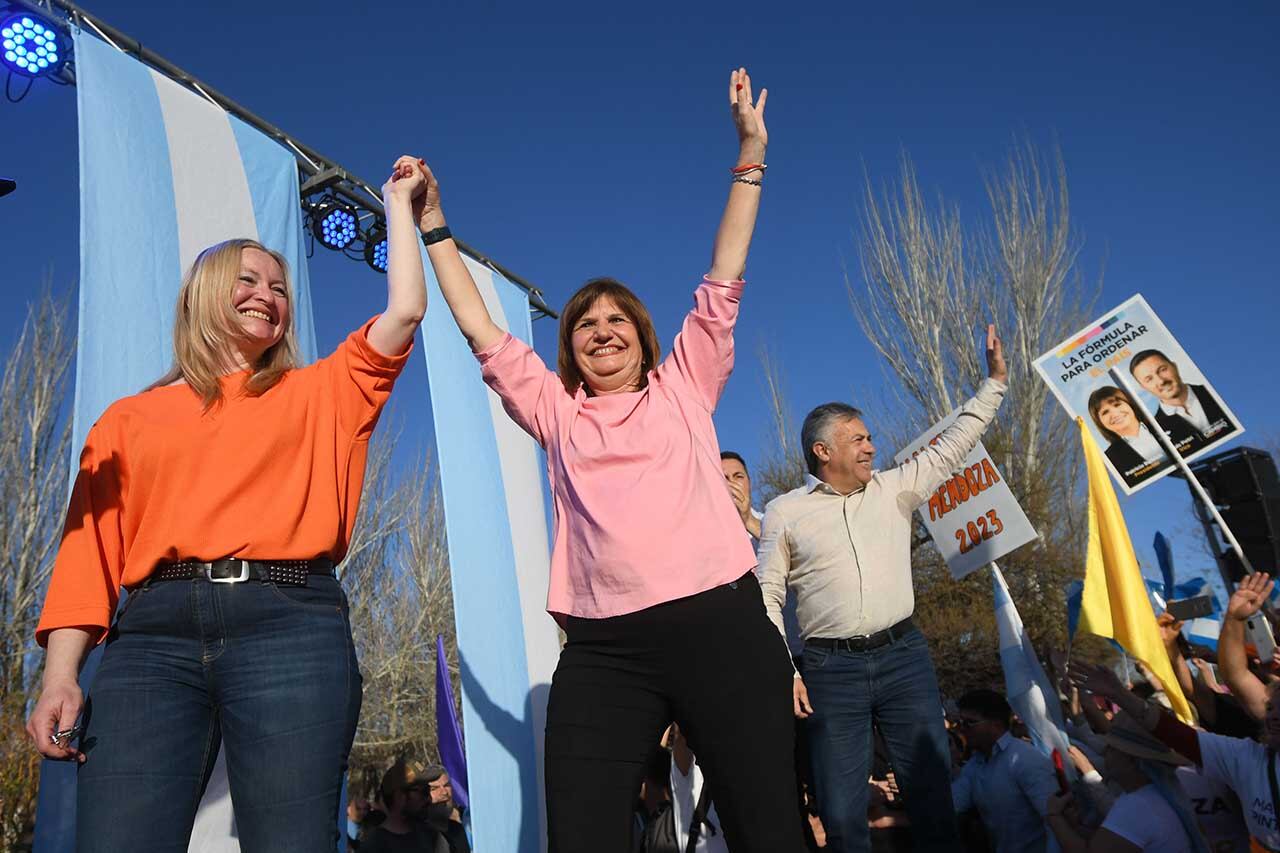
1168,384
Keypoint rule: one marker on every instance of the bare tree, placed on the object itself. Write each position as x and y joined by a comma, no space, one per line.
931,280
397,579
782,467
35,439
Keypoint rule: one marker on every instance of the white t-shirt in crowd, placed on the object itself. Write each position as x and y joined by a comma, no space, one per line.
684,796
1241,765
1217,811
1143,818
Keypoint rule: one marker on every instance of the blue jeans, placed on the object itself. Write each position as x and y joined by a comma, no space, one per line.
895,687
269,672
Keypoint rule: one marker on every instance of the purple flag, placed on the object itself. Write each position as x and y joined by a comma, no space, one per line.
448,735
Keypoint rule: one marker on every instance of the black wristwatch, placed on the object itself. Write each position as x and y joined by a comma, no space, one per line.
435,235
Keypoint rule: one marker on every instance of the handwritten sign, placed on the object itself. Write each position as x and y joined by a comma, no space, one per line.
973,516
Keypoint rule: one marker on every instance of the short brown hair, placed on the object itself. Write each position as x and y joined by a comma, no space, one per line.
1102,395
629,304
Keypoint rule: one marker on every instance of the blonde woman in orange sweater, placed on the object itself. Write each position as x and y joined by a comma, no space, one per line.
222,498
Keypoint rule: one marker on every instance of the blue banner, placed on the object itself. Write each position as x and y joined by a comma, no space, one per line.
493,481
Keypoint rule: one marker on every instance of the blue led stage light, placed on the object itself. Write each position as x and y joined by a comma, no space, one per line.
375,248
335,224
30,45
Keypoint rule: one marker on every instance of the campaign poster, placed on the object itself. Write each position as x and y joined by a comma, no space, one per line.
973,517
1169,387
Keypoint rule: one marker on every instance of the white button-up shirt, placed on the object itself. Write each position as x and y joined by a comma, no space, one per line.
847,558
1193,412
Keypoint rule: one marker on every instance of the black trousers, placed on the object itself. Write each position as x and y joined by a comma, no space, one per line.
713,663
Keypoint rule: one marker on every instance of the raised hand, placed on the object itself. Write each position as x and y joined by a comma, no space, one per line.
406,182
1170,627
748,116
996,367
1251,593
1096,679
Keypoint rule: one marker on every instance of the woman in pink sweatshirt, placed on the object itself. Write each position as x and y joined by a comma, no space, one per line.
650,568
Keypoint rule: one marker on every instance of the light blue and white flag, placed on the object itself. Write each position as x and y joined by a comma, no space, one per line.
493,480
1026,685
164,173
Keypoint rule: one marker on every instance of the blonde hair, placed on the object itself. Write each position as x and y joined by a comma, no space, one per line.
205,326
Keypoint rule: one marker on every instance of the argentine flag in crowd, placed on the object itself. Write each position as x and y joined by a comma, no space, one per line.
1027,687
164,173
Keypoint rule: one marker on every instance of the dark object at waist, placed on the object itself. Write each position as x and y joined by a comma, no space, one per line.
284,572
866,643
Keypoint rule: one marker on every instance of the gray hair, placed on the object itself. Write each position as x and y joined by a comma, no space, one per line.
817,427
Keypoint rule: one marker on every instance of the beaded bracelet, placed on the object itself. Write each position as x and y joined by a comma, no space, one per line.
738,179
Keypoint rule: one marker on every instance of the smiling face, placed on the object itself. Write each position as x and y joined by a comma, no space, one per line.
846,455
606,348
1160,376
1117,415
261,300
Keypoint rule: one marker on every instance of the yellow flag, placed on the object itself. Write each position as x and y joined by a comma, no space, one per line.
1114,602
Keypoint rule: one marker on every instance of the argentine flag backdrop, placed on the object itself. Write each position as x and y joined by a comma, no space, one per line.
163,174
493,480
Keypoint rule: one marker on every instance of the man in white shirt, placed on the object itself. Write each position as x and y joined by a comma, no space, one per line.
842,545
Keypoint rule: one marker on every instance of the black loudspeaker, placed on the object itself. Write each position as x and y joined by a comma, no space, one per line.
1243,483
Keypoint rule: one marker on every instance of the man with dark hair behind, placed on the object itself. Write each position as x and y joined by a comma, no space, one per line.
738,479
1190,414
1007,780
404,793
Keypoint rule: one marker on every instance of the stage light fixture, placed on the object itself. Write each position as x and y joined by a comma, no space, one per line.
375,248
31,45
335,225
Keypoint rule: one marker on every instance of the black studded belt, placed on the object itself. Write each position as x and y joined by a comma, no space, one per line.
286,572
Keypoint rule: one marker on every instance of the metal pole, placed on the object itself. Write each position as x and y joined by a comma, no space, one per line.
310,162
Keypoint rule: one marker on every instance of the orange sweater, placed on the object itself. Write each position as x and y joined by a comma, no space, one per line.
270,477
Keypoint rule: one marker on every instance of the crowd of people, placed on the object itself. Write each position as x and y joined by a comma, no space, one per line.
730,679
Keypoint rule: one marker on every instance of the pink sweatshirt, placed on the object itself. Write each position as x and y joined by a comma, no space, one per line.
642,513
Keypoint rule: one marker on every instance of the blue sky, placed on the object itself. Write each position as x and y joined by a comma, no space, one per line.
575,140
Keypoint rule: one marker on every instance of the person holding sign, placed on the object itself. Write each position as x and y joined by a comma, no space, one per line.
651,573
1131,448
842,544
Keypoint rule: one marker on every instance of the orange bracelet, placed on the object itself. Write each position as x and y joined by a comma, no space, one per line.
747,167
